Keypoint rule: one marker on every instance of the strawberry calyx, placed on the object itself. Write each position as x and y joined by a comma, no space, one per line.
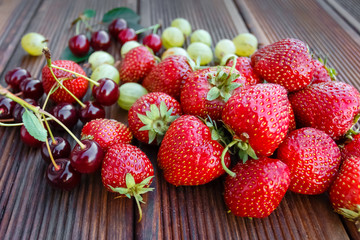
157,121
134,190
351,215
331,71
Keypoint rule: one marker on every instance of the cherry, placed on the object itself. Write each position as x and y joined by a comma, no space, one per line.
66,113
116,26
66,177
32,88
6,107
126,35
100,40
28,139
79,45
153,41
59,149
19,110
88,159
107,93
15,76
92,110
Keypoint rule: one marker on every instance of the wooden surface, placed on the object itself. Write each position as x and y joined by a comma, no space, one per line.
30,209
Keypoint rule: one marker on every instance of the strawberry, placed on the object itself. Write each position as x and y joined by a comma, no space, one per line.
257,188
168,76
188,155
344,193
243,65
78,85
313,159
351,148
106,132
258,116
286,62
207,90
127,170
150,116
292,123
322,73
136,64
330,107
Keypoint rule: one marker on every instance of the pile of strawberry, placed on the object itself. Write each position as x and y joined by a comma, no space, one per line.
288,124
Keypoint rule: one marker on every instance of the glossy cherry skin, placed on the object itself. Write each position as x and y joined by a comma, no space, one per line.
6,107
92,110
116,26
128,34
100,40
28,139
66,113
66,177
60,149
107,93
79,45
89,159
32,88
153,41
19,110
15,76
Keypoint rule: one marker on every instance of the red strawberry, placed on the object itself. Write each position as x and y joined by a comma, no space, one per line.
188,155
330,107
243,65
322,73
136,64
352,148
287,62
257,188
259,117
150,116
127,170
292,123
345,191
207,90
313,158
168,76
78,86
106,132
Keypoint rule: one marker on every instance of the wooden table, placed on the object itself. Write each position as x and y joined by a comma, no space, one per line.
31,209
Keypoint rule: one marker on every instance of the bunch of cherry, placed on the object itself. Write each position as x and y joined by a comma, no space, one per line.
66,165
119,30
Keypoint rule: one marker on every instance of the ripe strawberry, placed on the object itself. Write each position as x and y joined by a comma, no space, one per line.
78,86
106,132
168,76
351,148
136,64
188,155
207,90
313,158
322,73
127,170
243,65
330,107
150,116
257,188
345,191
286,62
292,122
258,115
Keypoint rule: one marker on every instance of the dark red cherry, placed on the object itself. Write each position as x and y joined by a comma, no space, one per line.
59,149
87,159
126,35
79,45
32,88
116,26
19,110
15,76
92,110
107,93
28,139
6,107
66,177
66,113
100,40
153,41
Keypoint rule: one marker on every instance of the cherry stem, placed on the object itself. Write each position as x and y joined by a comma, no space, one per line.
227,170
77,28
48,95
6,120
4,124
57,168
49,130
77,74
6,93
156,26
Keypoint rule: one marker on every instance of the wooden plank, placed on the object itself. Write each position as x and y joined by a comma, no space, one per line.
349,10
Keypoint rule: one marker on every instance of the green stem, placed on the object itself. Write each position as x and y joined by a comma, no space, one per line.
139,207
51,156
77,74
8,94
227,170
52,90
49,130
156,26
15,124
77,28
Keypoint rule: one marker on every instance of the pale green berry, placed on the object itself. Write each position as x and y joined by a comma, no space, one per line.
128,46
245,44
224,47
183,25
201,35
106,71
100,57
174,51
129,93
33,43
198,50
172,37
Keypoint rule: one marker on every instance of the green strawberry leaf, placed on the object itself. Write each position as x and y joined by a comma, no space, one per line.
130,181
122,12
34,126
89,13
68,55
213,94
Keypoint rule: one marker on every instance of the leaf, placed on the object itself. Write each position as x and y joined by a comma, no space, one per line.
213,94
68,55
34,126
122,12
135,26
130,181
89,13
